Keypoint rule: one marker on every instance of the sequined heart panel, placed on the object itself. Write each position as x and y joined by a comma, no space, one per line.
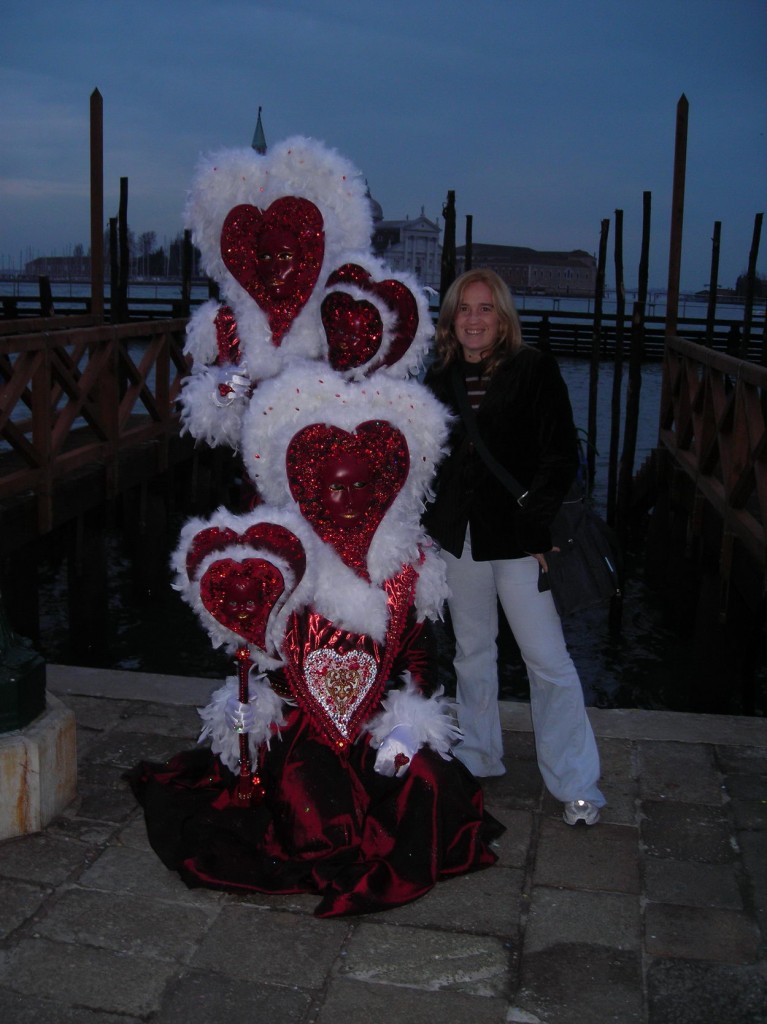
339,685
379,450
275,255
241,595
340,322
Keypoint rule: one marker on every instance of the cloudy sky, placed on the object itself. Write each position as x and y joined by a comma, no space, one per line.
544,116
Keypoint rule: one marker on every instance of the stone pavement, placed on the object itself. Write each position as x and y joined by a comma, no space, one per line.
657,915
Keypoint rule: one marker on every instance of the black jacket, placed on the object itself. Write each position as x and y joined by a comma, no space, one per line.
526,421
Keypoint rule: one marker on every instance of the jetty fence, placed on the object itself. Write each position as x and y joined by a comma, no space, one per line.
562,331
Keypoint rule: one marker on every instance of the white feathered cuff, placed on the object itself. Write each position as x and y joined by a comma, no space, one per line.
430,718
268,710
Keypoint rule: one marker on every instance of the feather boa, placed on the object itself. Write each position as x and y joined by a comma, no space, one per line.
224,741
430,718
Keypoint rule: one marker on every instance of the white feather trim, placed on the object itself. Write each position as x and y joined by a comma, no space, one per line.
310,394
412,360
298,167
430,718
268,709
431,590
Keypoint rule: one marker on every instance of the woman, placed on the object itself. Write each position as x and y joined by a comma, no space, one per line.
495,548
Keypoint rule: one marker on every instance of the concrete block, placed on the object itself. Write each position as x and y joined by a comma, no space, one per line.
38,771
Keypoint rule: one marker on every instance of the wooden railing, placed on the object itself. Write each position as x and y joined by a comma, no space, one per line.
713,422
70,398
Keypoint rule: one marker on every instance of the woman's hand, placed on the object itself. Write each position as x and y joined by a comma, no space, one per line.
540,558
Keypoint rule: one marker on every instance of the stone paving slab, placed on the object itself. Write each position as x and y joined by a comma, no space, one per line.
658,915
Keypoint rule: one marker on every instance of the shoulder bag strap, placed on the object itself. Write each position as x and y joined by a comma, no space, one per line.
470,422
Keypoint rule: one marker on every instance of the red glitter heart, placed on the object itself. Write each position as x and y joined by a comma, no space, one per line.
375,442
250,235
241,595
353,328
398,298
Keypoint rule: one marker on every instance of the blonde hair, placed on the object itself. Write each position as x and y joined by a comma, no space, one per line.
447,346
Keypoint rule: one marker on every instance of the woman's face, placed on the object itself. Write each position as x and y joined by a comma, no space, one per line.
476,322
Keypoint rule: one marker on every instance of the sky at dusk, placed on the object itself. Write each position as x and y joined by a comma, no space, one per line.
544,116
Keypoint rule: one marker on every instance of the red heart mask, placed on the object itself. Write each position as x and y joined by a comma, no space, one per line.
353,328
397,297
375,445
275,255
241,595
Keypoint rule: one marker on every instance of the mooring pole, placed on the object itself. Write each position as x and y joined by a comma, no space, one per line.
615,403
596,339
748,308
97,205
447,275
677,218
713,283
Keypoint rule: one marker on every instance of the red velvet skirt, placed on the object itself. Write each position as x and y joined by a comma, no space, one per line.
327,824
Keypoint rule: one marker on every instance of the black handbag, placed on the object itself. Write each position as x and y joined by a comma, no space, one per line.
586,570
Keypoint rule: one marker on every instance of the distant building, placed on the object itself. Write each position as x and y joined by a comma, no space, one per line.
59,268
411,245
530,271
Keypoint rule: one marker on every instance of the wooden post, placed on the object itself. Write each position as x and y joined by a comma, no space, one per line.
124,248
748,309
615,408
713,283
469,243
97,205
677,218
447,275
591,442
46,296
186,273
114,273
644,254
634,384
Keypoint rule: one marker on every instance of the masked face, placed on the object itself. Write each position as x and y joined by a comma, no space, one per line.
278,260
346,488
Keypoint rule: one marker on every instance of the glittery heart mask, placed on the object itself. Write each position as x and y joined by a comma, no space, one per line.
376,444
275,255
241,594
354,328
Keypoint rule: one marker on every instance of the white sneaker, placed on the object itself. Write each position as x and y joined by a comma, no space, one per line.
581,810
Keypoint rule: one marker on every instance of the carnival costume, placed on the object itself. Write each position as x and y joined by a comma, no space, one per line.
327,764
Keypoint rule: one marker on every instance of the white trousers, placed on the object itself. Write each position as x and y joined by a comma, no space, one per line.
567,753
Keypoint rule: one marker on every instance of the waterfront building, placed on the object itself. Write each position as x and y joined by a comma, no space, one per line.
532,271
411,245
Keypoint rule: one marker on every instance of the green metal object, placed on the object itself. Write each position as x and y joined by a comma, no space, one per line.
22,678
